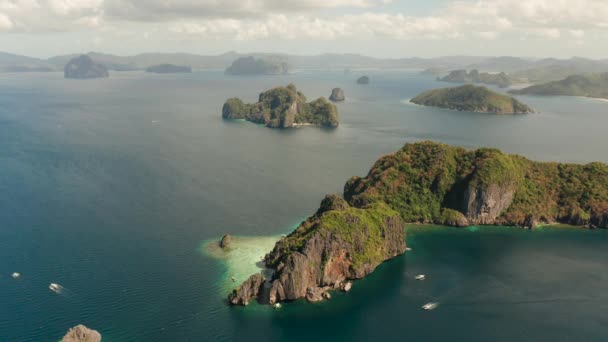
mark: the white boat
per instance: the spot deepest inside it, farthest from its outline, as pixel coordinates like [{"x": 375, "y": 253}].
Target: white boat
[
  {"x": 16, "y": 275},
  {"x": 277, "y": 305},
  {"x": 407, "y": 249},
  {"x": 420, "y": 277},
  {"x": 55, "y": 287},
  {"x": 430, "y": 306}
]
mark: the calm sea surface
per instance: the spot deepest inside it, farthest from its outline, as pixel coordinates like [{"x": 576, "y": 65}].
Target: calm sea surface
[{"x": 109, "y": 188}]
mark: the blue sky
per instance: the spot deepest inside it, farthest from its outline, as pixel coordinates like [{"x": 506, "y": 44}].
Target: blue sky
[{"x": 382, "y": 28}]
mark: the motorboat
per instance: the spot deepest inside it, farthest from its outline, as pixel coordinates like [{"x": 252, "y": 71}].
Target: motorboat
[
  {"x": 430, "y": 306},
  {"x": 16, "y": 275},
  {"x": 55, "y": 287},
  {"x": 420, "y": 277}
]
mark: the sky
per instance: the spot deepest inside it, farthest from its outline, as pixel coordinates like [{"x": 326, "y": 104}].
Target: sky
[{"x": 379, "y": 28}]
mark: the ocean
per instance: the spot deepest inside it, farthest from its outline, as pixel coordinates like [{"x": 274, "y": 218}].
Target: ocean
[{"x": 112, "y": 188}]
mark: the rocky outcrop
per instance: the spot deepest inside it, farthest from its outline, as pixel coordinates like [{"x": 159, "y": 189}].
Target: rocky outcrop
[
  {"x": 337, "y": 95},
  {"x": 462, "y": 76},
  {"x": 80, "y": 333},
  {"x": 338, "y": 244},
  {"x": 483, "y": 204},
  {"x": 363, "y": 80},
  {"x": 226, "y": 241},
  {"x": 168, "y": 69},
  {"x": 260, "y": 66},
  {"x": 283, "y": 107},
  {"x": 247, "y": 291},
  {"x": 83, "y": 67}
]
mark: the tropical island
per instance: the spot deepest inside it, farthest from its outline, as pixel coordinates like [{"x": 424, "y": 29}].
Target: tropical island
[
  {"x": 363, "y": 80},
  {"x": 426, "y": 182},
  {"x": 593, "y": 85},
  {"x": 283, "y": 107},
  {"x": 261, "y": 66},
  {"x": 168, "y": 69},
  {"x": 83, "y": 67},
  {"x": 474, "y": 76},
  {"x": 472, "y": 98}
]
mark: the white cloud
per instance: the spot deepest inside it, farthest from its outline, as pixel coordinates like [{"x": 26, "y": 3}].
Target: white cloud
[{"x": 311, "y": 19}]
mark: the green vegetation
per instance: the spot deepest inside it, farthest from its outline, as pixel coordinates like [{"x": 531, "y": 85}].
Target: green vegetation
[
  {"x": 426, "y": 182},
  {"x": 595, "y": 85},
  {"x": 473, "y": 99},
  {"x": 462, "y": 76},
  {"x": 365, "y": 229},
  {"x": 283, "y": 107}
]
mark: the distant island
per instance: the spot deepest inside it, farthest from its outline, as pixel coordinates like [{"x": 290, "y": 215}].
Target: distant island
[
  {"x": 426, "y": 182},
  {"x": 261, "y": 66},
  {"x": 283, "y": 107},
  {"x": 83, "y": 67},
  {"x": 472, "y": 98},
  {"x": 363, "y": 80},
  {"x": 474, "y": 76},
  {"x": 337, "y": 95},
  {"x": 168, "y": 69},
  {"x": 594, "y": 85}
]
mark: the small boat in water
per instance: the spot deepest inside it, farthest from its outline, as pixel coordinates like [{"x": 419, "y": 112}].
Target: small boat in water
[
  {"x": 407, "y": 249},
  {"x": 277, "y": 305},
  {"x": 16, "y": 275},
  {"x": 420, "y": 277},
  {"x": 430, "y": 306},
  {"x": 55, "y": 287}
]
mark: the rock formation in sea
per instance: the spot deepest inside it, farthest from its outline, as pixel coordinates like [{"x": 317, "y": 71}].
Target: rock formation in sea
[
  {"x": 337, "y": 95},
  {"x": 83, "y": 67},
  {"x": 472, "y": 98},
  {"x": 283, "y": 107},
  {"x": 259, "y": 66},
  {"x": 168, "y": 69},
  {"x": 363, "y": 80},
  {"x": 426, "y": 182},
  {"x": 80, "y": 333},
  {"x": 226, "y": 241}
]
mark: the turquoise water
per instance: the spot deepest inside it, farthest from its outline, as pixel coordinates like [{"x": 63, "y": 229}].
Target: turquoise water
[{"x": 109, "y": 188}]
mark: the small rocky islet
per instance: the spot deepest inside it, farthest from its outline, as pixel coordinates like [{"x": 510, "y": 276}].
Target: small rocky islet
[
  {"x": 426, "y": 182},
  {"x": 81, "y": 333},
  {"x": 472, "y": 98},
  {"x": 283, "y": 107},
  {"x": 337, "y": 95},
  {"x": 83, "y": 67}
]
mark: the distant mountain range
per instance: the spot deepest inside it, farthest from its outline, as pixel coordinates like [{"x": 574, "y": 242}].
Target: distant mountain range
[{"x": 533, "y": 70}]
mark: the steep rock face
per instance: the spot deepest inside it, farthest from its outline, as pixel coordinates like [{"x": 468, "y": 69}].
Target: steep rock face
[
  {"x": 261, "y": 66},
  {"x": 337, "y": 95},
  {"x": 80, "y": 333},
  {"x": 483, "y": 205},
  {"x": 283, "y": 107},
  {"x": 83, "y": 67},
  {"x": 226, "y": 241},
  {"x": 248, "y": 291}
]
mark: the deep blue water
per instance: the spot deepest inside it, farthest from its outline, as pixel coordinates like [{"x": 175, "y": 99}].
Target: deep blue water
[{"x": 108, "y": 187}]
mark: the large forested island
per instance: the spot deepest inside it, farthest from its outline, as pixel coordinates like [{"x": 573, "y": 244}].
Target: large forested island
[
  {"x": 260, "y": 66},
  {"x": 283, "y": 107},
  {"x": 594, "y": 85},
  {"x": 427, "y": 182},
  {"x": 474, "y": 76},
  {"x": 472, "y": 99}
]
